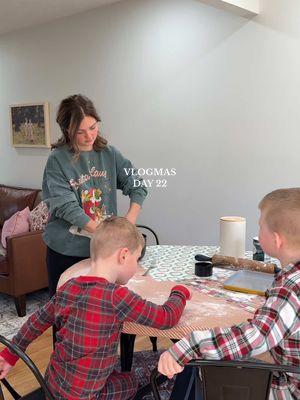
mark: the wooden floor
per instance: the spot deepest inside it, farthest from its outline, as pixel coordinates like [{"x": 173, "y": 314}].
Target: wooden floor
[{"x": 39, "y": 351}]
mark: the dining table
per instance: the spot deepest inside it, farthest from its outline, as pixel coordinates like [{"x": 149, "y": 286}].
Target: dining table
[
  {"x": 165, "y": 266},
  {"x": 211, "y": 305}
]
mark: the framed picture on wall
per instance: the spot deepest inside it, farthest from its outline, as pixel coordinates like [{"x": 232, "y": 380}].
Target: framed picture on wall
[{"x": 30, "y": 125}]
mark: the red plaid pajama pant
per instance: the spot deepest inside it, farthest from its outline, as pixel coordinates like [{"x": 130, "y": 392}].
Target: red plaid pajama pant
[{"x": 119, "y": 386}]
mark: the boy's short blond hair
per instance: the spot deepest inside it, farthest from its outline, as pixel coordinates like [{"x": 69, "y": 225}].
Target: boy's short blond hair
[
  {"x": 281, "y": 210},
  {"x": 112, "y": 234}
]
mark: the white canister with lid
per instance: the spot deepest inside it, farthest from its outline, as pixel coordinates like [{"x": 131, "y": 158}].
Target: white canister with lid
[{"x": 232, "y": 236}]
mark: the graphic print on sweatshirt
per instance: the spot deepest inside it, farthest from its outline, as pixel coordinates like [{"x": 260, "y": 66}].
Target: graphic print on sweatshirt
[{"x": 92, "y": 204}]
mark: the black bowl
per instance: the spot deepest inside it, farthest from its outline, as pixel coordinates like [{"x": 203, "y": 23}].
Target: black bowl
[{"x": 203, "y": 268}]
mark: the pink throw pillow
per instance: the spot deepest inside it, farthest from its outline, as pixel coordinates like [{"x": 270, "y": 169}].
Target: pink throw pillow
[{"x": 17, "y": 223}]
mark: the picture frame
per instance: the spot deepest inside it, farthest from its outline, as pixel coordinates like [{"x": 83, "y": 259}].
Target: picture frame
[{"x": 30, "y": 125}]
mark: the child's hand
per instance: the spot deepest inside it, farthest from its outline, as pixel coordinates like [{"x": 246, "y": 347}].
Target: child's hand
[
  {"x": 4, "y": 368},
  {"x": 189, "y": 289},
  {"x": 168, "y": 366},
  {"x": 191, "y": 292},
  {"x": 183, "y": 289}
]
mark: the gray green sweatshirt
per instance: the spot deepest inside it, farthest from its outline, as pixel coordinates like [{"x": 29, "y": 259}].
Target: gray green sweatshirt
[{"x": 77, "y": 191}]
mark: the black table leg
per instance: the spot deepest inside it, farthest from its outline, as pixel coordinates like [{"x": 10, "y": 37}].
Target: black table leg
[
  {"x": 153, "y": 340},
  {"x": 126, "y": 350}
]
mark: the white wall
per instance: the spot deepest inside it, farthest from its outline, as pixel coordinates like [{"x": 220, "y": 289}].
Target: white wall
[
  {"x": 178, "y": 84},
  {"x": 244, "y": 8}
]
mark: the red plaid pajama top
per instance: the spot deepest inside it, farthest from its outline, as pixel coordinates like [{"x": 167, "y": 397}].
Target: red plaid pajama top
[{"x": 89, "y": 313}]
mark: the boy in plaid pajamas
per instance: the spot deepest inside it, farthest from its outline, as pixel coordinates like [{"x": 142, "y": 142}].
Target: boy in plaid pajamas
[
  {"x": 89, "y": 312},
  {"x": 275, "y": 327}
]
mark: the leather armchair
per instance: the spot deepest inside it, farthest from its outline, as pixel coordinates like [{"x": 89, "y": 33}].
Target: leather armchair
[{"x": 23, "y": 268}]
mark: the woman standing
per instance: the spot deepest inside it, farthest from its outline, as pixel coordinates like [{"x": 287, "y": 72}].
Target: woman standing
[{"x": 80, "y": 182}]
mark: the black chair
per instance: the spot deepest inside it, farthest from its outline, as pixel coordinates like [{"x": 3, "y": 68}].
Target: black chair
[
  {"x": 42, "y": 393},
  {"x": 142, "y": 227},
  {"x": 228, "y": 380},
  {"x": 152, "y": 338},
  {"x": 127, "y": 340}
]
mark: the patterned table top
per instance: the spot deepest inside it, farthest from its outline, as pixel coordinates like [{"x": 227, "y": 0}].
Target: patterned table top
[
  {"x": 211, "y": 305},
  {"x": 178, "y": 262}
]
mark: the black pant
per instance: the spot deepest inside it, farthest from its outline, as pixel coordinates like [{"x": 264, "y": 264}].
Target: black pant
[{"x": 56, "y": 264}]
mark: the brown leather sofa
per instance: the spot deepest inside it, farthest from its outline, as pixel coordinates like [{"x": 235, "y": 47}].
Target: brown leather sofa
[{"x": 23, "y": 268}]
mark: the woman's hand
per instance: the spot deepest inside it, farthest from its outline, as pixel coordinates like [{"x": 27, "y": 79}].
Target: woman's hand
[
  {"x": 91, "y": 226},
  {"x": 130, "y": 218},
  {"x": 4, "y": 368},
  {"x": 133, "y": 213},
  {"x": 168, "y": 366}
]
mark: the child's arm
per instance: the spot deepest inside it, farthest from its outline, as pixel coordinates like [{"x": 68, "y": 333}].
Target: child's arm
[
  {"x": 131, "y": 307},
  {"x": 273, "y": 322},
  {"x": 4, "y": 368},
  {"x": 36, "y": 324}
]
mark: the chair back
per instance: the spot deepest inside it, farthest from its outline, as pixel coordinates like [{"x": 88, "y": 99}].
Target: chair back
[
  {"x": 38, "y": 394},
  {"x": 155, "y": 237},
  {"x": 1, "y": 393},
  {"x": 229, "y": 380},
  {"x": 230, "y": 383}
]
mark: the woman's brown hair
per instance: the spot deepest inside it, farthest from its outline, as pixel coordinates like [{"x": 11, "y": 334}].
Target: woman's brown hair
[{"x": 69, "y": 116}]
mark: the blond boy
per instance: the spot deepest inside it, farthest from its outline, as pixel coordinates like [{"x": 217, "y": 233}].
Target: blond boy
[
  {"x": 275, "y": 327},
  {"x": 89, "y": 312}
]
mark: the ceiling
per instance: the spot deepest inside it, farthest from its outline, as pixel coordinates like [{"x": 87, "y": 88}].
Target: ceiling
[{"x": 18, "y": 14}]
